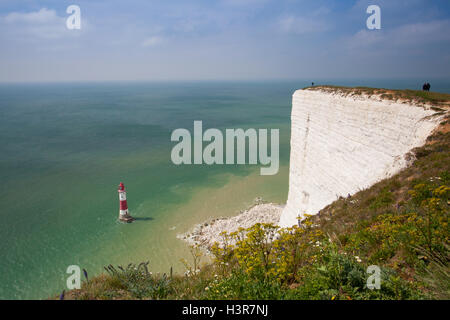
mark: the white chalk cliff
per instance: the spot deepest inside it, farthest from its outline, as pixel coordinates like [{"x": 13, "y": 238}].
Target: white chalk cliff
[{"x": 341, "y": 144}]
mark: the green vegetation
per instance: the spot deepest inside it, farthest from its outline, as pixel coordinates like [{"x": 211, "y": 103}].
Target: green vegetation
[{"x": 400, "y": 224}]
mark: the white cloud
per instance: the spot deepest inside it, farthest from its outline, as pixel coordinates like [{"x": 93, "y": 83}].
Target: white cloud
[
  {"x": 42, "y": 24},
  {"x": 152, "y": 41},
  {"x": 415, "y": 35},
  {"x": 366, "y": 38},
  {"x": 425, "y": 32},
  {"x": 302, "y": 25},
  {"x": 40, "y": 17}
]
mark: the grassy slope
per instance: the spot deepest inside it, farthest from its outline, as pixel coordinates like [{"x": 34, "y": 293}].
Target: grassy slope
[
  {"x": 435, "y": 99},
  {"x": 400, "y": 224}
]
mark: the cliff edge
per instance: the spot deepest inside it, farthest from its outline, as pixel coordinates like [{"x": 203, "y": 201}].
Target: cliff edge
[{"x": 346, "y": 139}]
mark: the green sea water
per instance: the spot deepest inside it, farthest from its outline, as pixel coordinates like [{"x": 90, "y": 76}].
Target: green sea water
[{"x": 65, "y": 147}]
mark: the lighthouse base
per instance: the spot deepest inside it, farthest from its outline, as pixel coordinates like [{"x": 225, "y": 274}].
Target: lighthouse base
[{"x": 126, "y": 218}]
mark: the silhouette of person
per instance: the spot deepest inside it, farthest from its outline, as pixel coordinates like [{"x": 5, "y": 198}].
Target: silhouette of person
[{"x": 426, "y": 86}]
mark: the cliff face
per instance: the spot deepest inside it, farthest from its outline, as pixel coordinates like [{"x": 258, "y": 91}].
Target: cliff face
[{"x": 341, "y": 144}]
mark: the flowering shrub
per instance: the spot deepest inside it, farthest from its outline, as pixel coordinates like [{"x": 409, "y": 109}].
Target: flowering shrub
[
  {"x": 240, "y": 285},
  {"x": 321, "y": 268},
  {"x": 423, "y": 224},
  {"x": 264, "y": 252}
]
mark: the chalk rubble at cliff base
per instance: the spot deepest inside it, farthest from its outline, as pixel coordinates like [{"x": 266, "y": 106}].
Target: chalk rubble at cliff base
[{"x": 206, "y": 234}]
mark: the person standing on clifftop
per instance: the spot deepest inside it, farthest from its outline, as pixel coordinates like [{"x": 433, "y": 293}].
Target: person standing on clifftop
[{"x": 426, "y": 86}]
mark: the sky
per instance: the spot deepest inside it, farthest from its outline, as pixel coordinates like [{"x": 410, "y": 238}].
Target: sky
[{"x": 137, "y": 40}]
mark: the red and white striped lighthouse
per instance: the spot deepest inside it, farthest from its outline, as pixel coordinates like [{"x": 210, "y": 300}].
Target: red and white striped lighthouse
[{"x": 123, "y": 206}]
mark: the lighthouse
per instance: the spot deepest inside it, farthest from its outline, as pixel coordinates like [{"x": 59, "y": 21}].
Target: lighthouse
[{"x": 123, "y": 206}]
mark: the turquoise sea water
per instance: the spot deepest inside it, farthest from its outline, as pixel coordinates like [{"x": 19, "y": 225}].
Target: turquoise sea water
[{"x": 65, "y": 147}]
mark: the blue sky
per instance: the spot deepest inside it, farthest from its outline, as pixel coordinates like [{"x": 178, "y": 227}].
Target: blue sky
[{"x": 223, "y": 40}]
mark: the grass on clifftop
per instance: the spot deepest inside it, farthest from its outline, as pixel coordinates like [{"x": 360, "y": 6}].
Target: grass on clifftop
[
  {"x": 400, "y": 225},
  {"x": 412, "y": 96}
]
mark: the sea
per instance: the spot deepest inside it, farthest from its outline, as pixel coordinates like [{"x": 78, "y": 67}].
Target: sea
[{"x": 65, "y": 147}]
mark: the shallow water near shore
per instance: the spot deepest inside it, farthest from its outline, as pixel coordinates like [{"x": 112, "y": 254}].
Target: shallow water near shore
[{"x": 65, "y": 147}]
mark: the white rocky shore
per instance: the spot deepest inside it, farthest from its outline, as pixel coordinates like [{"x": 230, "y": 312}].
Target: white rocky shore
[{"x": 206, "y": 234}]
